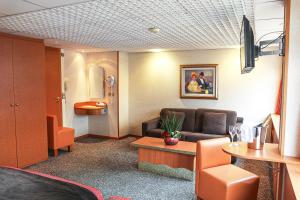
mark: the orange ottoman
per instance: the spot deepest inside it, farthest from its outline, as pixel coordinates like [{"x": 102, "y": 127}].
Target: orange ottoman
[{"x": 228, "y": 182}]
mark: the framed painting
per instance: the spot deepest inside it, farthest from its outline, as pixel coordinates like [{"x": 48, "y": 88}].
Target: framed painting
[{"x": 198, "y": 81}]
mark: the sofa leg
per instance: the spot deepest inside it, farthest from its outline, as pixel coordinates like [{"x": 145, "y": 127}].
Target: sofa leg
[
  {"x": 70, "y": 148},
  {"x": 55, "y": 152}
]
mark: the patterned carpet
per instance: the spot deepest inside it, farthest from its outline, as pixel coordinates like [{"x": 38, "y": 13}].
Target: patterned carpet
[
  {"x": 263, "y": 170},
  {"x": 111, "y": 166}
]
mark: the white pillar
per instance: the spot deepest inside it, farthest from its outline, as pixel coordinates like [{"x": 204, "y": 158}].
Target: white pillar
[{"x": 291, "y": 102}]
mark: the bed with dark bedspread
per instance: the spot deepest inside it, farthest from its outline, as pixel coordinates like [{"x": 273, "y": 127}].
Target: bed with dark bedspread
[{"x": 17, "y": 184}]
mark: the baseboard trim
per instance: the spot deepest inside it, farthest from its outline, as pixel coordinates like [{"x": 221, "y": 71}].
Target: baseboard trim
[
  {"x": 81, "y": 136},
  {"x": 105, "y": 136},
  {"x": 130, "y": 135},
  {"x": 136, "y": 136},
  {"x": 102, "y": 136}
]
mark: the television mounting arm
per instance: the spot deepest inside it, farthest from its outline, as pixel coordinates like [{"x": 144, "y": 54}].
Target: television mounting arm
[{"x": 264, "y": 44}]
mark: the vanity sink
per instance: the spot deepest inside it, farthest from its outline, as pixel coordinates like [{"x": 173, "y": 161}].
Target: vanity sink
[{"x": 89, "y": 108}]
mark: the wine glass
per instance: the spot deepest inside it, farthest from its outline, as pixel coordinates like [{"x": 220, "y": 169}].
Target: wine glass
[
  {"x": 232, "y": 132},
  {"x": 238, "y": 132}
]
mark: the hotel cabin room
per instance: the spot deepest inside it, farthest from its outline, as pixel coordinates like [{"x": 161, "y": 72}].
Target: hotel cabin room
[{"x": 96, "y": 94}]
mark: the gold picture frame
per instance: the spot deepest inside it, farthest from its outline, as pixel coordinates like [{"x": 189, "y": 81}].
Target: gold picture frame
[{"x": 198, "y": 81}]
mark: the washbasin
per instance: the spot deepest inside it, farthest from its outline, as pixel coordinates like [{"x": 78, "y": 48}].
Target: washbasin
[{"x": 90, "y": 108}]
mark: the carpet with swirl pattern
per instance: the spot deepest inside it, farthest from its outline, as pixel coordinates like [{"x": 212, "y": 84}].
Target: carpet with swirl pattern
[{"x": 111, "y": 166}]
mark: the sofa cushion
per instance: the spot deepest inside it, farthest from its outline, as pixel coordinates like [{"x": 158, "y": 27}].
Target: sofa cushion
[
  {"x": 178, "y": 115},
  {"x": 189, "y": 120},
  {"x": 231, "y": 118},
  {"x": 214, "y": 123},
  {"x": 194, "y": 137}
]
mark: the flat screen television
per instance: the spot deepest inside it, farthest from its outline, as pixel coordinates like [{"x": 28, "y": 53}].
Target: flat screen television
[{"x": 247, "y": 47}]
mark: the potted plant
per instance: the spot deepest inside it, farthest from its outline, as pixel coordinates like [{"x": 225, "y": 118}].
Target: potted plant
[{"x": 171, "y": 127}]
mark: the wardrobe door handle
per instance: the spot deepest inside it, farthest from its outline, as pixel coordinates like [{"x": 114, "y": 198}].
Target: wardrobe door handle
[
  {"x": 12, "y": 105},
  {"x": 17, "y": 104},
  {"x": 57, "y": 99}
]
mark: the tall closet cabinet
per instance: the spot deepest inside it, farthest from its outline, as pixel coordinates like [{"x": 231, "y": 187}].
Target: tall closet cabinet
[{"x": 23, "y": 131}]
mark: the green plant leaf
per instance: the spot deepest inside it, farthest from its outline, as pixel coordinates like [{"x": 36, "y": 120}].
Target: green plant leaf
[{"x": 171, "y": 125}]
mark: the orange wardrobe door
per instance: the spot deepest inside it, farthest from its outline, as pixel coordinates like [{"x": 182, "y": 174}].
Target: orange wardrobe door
[
  {"x": 53, "y": 79},
  {"x": 8, "y": 154},
  {"x": 30, "y": 110}
]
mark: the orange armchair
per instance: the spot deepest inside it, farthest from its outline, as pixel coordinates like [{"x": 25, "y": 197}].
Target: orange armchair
[
  {"x": 217, "y": 178},
  {"x": 58, "y": 137}
]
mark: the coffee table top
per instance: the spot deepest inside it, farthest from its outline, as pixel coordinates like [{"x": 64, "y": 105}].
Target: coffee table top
[{"x": 182, "y": 147}]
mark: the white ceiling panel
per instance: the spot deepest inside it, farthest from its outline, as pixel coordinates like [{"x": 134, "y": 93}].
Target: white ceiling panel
[
  {"x": 12, "y": 7},
  {"x": 123, "y": 24},
  {"x": 269, "y": 10},
  {"x": 275, "y": 25},
  {"x": 55, "y": 3},
  {"x": 269, "y": 18}
]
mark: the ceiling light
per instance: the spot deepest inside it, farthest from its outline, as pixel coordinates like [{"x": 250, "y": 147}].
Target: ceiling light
[
  {"x": 155, "y": 50},
  {"x": 154, "y": 29}
]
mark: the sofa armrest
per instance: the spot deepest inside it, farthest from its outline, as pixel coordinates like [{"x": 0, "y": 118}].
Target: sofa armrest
[
  {"x": 151, "y": 124},
  {"x": 239, "y": 120}
]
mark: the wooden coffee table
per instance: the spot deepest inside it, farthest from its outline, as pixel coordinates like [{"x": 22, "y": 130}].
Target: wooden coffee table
[{"x": 155, "y": 156}]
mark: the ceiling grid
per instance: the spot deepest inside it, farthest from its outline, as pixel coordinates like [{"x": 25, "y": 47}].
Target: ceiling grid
[
  {"x": 223, "y": 23},
  {"x": 123, "y": 24},
  {"x": 211, "y": 24}
]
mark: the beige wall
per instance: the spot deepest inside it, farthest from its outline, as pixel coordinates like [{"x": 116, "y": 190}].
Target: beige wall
[
  {"x": 154, "y": 84},
  {"x": 292, "y": 113},
  {"x": 75, "y": 71},
  {"x": 123, "y": 94},
  {"x": 76, "y": 90},
  {"x": 106, "y": 125},
  {"x": 151, "y": 82}
]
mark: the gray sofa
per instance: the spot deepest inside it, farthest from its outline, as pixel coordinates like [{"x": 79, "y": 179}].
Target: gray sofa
[{"x": 193, "y": 124}]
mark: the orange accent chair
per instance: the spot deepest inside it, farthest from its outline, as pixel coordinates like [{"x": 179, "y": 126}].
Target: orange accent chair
[
  {"x": 58, "y": 137},
  {"x": 217, "y": 178}
]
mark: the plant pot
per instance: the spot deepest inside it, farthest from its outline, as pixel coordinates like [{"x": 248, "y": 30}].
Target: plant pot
[{"x": 171, "y": 141}]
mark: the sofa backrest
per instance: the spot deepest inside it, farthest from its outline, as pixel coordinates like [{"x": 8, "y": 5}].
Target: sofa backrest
[
  {"x": 189, "y": 120},
  {"x": 231, "y": 118}
]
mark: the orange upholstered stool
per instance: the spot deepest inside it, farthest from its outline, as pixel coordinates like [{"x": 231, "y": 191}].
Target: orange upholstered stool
[
  {"x": 58, "y": 137},
  {"x": 217, "y": 178}
]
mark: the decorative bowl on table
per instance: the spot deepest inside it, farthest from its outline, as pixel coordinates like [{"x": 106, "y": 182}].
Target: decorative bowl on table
[
  {"x": 171, "y": 138},
  {"x": 171, "y": 141}
]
